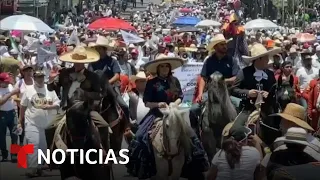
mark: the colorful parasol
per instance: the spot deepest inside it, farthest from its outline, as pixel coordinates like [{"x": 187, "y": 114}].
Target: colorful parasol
[
  {"x": 111, "y": 24},
  {"x": 305, "y": 37},
  {"x": 185, "y": 10}
]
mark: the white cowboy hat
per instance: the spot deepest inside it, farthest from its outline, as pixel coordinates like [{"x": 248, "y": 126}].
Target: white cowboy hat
[
  {"x": 80, "y": 54},
  {"x": 296, "y": 135},
  {"x": 218, "y": 38},
  {"x": 258, "y": 50},
  {"x": 104, "y": 42},
  {"x": 175, "y": 62},
  {"x": 139, "y": 75}
]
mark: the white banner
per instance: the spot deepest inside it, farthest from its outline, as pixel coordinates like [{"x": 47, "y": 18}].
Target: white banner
[
  {"x": 129, "y": 38},
  {"x": 188, "y": 75}
]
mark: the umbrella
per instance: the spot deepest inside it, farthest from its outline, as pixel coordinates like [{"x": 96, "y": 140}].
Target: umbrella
[
  {"x": 24, "y": 23},
  {"x": 111, "y": 24},
  {"x": 305, "y": 37},
  {"x": 260, "y": 24},
  {"x": 188, "y": 29},
  {"x": 186, "y": 21},
  {"x": 186, "y": 10},
  {"x": 208, "y": 23}
]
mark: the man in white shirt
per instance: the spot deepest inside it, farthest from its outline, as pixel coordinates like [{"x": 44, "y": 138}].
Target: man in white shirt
[
  {"x": 38, "y": 105},
  {"x": 7, "y": 114},
  {"x": 305, "y": 74}
]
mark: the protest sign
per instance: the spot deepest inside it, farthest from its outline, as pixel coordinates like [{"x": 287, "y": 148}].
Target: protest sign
[{"x": 187, "y": 75}]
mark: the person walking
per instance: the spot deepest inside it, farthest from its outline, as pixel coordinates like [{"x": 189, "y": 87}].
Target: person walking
[{"x": 7, "y": 114}]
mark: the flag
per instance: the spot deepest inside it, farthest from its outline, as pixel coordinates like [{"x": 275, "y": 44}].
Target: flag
[
  {"x": 130, "y": 38},
  {"x": 73, "y": 39}
]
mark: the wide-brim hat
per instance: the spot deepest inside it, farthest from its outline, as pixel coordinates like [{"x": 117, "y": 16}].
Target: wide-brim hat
[
  {"x": 104, "y": 42},
  {"x": 192, "y": 48},
  {"x": 218, "y": 38},
  {"x": 174, "y": 62},
  {"x": 138, "y": 76},
  {"x": 296, "y": 135},
  {"x": 258, "y": 50},
  {"x": 296, "y": 114},
  {"x": 80, "y": 54}
]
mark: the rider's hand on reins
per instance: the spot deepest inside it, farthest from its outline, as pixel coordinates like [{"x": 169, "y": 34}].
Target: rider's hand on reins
[
  {"x": 253, "y": 93},
  {"x": 162, "y": 105}
]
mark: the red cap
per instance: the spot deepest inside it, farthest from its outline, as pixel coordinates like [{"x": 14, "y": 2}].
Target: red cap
[
  {"x": 5, "y": 77},
  {"x": 134, "y": 51}
]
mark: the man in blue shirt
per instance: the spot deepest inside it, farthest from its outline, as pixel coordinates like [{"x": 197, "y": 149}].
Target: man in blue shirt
[
  {"x": 218, "y": 61},
  {"x": 111, "y": 69}
]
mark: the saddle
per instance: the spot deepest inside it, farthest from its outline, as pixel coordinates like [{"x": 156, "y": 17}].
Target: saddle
[{"x": 61, "y": 132}]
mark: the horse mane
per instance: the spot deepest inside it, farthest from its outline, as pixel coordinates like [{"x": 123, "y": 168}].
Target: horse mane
[
  {"x": 106, "y": 88},
  {"x": 220, "y": 109}
]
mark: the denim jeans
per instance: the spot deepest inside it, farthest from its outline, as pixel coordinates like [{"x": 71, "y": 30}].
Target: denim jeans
[{"x": 7, "y": 120}]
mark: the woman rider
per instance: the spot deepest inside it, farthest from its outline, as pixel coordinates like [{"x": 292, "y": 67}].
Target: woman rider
[{"x": 160, "y": 92}]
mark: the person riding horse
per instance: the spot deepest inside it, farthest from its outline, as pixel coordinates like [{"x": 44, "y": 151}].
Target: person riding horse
[
  {"x": 69, "y": 79},
  {"x": 110, "y": 67},
  {"x": 218, "y": 61},
  {"x": 253, "y": 81},
  {"x": 161, "y": 91}
]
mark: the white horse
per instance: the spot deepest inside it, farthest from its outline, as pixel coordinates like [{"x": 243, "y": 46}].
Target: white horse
[{"x": 170, "y": 138}]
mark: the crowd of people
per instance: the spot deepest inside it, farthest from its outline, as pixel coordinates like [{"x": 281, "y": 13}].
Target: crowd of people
[{"x": 34, "y": 94}]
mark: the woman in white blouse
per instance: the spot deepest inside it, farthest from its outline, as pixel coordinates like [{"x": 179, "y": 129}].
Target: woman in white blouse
[{"x": 138, "y": 110}]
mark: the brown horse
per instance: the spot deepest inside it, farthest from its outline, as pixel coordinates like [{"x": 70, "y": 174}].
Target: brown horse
[
  {"x": 111, "y": 112},
  {"x": 81, "y": 133}
]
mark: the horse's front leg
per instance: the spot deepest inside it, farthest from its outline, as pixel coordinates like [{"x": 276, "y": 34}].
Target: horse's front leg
[{"x": 177, "y": 165}]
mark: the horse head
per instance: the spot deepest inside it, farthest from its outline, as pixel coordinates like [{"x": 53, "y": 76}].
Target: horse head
[
  {"x": 176, "y": 131},
  {"x": 220, "y": 108},
  {"x": 285, "y": 93},
  {"x": 78, "y": 120},
  {"x": 279, "y": 96}
]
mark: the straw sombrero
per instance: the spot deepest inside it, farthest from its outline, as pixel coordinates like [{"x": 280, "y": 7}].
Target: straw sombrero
[
  {"x": 80, "y": 54},
  {"x": 218, "y": 38},
  {"x": 192, "y": 48},
  {"x": 140, "y": 75},
  {"x": 175, "y": 62},
  {"x": 258, "y": 50},
  {"x": 295, "y": 113},
  {"x": 104, "y": 42}
]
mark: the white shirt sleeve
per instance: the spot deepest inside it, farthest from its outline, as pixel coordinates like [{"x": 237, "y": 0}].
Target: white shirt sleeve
[{"x": 215, "y": 158}]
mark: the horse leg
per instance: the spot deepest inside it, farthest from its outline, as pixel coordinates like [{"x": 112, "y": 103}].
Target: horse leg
[
  {"x": 209, "y": 143},
  {"x": 66, "y": 170},
  {"x": 177, "y": 165},
  {"x": 116, "y": 138},
  {"x": 161, "y": 166}
]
